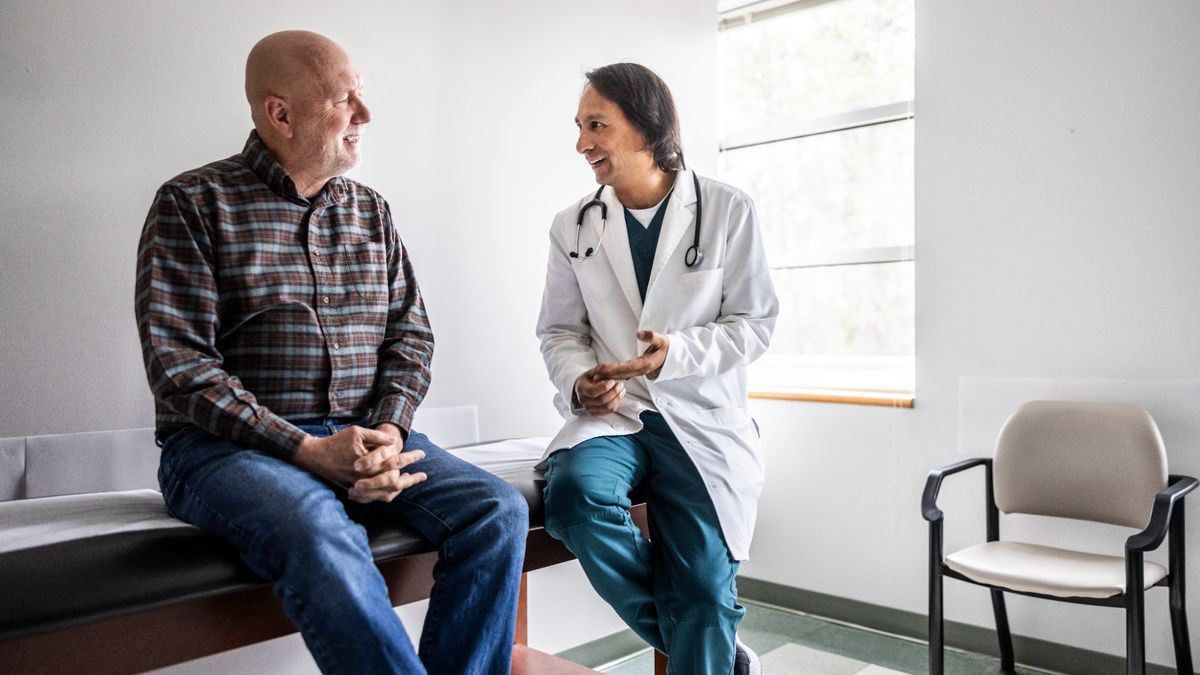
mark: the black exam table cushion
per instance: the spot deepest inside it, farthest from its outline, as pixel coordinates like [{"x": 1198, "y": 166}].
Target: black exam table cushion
[{"x": 63, "y": 584}]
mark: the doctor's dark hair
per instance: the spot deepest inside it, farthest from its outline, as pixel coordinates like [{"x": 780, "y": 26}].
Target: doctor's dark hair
[{"x": 647, "y": 103}]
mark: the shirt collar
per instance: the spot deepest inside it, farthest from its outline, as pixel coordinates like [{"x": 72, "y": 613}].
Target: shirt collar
[{"x": 260, "y": 160}]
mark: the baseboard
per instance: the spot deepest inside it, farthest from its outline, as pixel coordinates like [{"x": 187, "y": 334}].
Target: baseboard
[
  {"x": 1030, "y": 651},
  {"x": 605, "y": 650}
]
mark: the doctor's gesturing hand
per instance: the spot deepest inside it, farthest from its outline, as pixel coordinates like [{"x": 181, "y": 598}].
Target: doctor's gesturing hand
[
  {"x": 599, "y": 390},
  {"x": 598, "y": 395},
  {"x": 649, "y": 363}
]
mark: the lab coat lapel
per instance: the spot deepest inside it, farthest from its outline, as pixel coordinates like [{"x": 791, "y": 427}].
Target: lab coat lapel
[
  {"x": 676, "y": 224},
  {"x": 616, "y": 251}
]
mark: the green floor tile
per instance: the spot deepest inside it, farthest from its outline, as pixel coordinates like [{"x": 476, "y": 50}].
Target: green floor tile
[
  {"x": 768, "y": 620},
  {"x": 884, "y": 650},
  {"x": 642, "y": 664},
  {"x": 798, "y": 644}
]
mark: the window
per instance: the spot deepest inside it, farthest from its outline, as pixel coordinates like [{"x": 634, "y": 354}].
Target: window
[{"x": 816, "y": 113}]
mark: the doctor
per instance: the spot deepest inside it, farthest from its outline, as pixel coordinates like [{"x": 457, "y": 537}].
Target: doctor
[{"x": 657, "y": 297}]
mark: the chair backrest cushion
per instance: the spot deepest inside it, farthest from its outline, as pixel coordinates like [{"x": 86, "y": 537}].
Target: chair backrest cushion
[{"x": 1090, "y": 461}]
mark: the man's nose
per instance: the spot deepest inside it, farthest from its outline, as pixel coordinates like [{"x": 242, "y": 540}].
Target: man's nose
[
  {"x": 584, "y": 143},
  {"x": 362, "y": 114}
]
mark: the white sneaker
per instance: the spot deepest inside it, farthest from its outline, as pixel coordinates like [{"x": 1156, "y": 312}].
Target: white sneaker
[{"x": 745, "y": 661}]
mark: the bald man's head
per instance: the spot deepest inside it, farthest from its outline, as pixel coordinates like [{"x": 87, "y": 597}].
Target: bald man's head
[
  {"x": 305, "y": 98},
  {"x": 287, "y": 64}
]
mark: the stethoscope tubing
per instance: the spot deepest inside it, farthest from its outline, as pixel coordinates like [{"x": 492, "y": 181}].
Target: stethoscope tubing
[{"x": 690, "y": 258}]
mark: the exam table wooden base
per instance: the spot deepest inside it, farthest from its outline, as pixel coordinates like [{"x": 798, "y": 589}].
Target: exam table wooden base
[{"x": 193, "y": 628}]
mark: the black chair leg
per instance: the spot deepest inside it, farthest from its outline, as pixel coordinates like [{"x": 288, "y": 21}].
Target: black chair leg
[
  {"x": 936, "y": 635},
  {"x": 1135, "y": 632},
  {"x": 1179, "y": 629},
  {"x": 1007, "y": 662}
]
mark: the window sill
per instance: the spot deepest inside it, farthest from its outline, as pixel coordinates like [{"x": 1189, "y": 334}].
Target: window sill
[{"x": 890, "y": 399}]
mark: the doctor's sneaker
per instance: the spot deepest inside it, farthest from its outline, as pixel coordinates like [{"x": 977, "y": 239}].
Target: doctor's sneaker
[{"x": 745, "y": 661}]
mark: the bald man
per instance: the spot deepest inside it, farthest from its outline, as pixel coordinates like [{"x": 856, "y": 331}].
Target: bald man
[{"x": 287, "y": 347}]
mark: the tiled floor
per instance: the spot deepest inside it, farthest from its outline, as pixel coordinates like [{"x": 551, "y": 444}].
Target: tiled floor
[{"x": 797, "y": 644}]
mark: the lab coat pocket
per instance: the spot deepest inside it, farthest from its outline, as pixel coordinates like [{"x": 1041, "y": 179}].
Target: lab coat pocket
[
  {"x": 697, "y": 297},
  {"x": 728, "y": 416}
]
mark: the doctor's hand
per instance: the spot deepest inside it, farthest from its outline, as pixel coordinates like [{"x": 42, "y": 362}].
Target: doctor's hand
[
  {"x": 357, "y": 454},
  {"x": 649, "y": 363},
  {"x": 597, "y": 395}
]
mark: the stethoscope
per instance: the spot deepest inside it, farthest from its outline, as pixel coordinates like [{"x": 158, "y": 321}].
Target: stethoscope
[{"x": 690, "y": 258}]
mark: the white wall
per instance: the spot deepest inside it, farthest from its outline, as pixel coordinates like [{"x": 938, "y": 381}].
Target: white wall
[
  {"x": 472, "y": 143},
  {"x": 1058, "y": 229}
]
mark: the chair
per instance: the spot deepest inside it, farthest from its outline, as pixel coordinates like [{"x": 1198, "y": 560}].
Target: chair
[{"x": 1102, "y": 462}]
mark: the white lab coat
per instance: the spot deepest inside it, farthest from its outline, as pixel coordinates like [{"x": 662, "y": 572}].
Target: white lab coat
[{"x": 719, "y": 316}]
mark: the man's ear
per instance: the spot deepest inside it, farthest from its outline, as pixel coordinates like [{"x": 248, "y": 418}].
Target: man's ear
[{"x": 278, "y": 115}]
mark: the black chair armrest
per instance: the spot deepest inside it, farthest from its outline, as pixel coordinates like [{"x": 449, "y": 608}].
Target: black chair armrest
[
  {"x": 933, "y": 485},
  {"x": 1160, "y": 518}
]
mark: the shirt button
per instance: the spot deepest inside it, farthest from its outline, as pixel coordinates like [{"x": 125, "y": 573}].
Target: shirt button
[
  {"x": 317, "y": 254},
  {"x": 325, "y": 300},
  {"x": 336, "y": 346}
]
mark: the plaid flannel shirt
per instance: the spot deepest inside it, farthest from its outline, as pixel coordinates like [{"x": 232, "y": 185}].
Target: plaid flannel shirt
[{"x": 256, "y": 306}]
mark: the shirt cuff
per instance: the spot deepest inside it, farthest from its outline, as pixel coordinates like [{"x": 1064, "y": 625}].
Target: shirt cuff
[
  {"x": 673, "y": 364},
  {"x": 277, "y": 436},
  {"x": 395, "y": 410}
]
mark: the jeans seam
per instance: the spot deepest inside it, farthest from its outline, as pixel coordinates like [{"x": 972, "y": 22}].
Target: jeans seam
[
  {"x": 306, "y": 630},
  {"x": 433, "y": 615}
]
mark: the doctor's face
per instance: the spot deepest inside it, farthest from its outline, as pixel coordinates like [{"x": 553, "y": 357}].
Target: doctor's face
[{"x": 614, "y": 148}]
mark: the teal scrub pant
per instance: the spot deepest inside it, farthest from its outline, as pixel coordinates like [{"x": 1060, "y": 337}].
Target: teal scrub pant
[{"x": 677, "y": 591}]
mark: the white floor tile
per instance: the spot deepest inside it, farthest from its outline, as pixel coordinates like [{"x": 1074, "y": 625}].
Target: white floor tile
[{"x": 878, "y": 670}]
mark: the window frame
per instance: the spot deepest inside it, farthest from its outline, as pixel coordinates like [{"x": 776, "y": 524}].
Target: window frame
[{"x": 733, "y": 14}]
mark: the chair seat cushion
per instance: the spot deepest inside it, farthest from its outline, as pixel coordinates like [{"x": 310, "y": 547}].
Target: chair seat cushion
[{"x": 1030, "y": 568}]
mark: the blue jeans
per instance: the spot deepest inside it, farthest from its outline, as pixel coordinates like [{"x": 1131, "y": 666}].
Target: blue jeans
[
  {"x": 678, "y": 590},
  {"x": 303, "y": 535}
]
